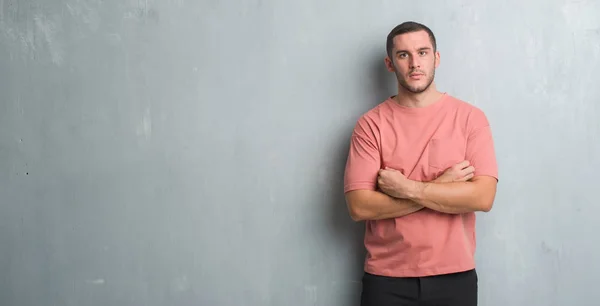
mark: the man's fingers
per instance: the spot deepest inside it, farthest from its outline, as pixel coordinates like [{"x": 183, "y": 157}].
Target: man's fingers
[
  {"x": 466, "y": 171},
  {"x": 463, "y": 164},
  {"x": 466, "y": 177},
  {"x": 469, "y": 169}
]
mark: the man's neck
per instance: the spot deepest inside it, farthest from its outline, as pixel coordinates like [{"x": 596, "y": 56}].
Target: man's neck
[{"x": 424, "y": 99}]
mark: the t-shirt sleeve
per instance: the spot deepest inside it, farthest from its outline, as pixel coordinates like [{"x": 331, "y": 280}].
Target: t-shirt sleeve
[
  {"x": 480, "y": 145},
  {"x": 364, "y": 159}
]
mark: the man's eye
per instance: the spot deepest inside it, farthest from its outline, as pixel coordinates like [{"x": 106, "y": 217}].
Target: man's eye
[{"x": 422, "y": 52}]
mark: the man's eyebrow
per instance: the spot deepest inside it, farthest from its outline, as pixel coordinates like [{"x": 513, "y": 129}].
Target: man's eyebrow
[{"x": 420, "y": 49}]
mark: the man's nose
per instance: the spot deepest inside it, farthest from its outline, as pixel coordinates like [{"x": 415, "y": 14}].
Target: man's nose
[{"x": 414, "y": 63}]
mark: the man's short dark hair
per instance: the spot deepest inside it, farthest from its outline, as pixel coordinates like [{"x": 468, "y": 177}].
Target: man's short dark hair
[{"x": 408, "y": 27}]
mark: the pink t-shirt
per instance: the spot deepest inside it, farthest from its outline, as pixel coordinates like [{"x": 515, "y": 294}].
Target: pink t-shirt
[{"x": 422, "y": 143}]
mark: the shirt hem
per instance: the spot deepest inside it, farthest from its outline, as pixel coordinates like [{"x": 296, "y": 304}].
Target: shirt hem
[{"x": 419, "y": 272}]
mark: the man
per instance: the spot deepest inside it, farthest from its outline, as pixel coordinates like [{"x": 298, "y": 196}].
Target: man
[{"x": 421, "y": 163}]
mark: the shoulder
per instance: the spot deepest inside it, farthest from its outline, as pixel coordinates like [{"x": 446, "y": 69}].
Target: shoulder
[
  {"x": 368, "y": 123},
  {"x": 474, "y": 116}
]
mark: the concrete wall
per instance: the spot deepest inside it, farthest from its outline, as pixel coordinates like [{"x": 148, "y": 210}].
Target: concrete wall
[{"x": 182, "y": 152}]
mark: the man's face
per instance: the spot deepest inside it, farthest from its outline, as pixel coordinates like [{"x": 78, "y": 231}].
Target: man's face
[{"x": 413, "y": 61}]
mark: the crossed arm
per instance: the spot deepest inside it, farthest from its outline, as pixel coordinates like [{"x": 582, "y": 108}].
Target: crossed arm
[
  {"x": 455, "y": 192},
  {"x": 375, "y": 205},
  {"x": 457, "y": 197}
]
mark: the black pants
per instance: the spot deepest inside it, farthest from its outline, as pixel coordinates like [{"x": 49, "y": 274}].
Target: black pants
[{"x": 457, "y": 289}]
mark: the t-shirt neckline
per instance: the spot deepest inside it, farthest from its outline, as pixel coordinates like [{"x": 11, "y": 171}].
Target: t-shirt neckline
[{"x": 419, "y": 110}]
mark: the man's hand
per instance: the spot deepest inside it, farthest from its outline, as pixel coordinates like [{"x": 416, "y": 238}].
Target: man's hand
[
  {"x": 460, "y": 172},
  {"x": 395, "y": 184}
]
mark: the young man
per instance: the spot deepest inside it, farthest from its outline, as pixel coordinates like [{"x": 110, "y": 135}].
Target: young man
[{"x": 420, "y": 165}]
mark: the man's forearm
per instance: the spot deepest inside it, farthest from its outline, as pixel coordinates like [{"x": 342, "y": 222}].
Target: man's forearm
[
  {"x": 456, "y": 197},
  {"x": 374, "y": 205}
]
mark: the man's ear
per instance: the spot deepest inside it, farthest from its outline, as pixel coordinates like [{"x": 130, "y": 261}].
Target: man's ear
[{"x": 389, "y": 64}]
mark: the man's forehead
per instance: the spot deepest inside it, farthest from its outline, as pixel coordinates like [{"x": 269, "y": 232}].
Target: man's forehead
[{"x": 412, "y": 41}]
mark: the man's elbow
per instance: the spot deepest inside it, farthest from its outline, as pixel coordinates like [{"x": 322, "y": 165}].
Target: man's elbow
[
  {"x": 486, "y": 194},
  {"x": 486, "y": 203},
  {"x": 357, "y": 217},
  {"x": 355, "y": 209},
  {"x": 486, "y": 206},
  {"x": 356, "y": 213}
]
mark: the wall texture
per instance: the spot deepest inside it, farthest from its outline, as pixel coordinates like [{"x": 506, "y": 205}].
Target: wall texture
[{"x": 180, "y": 152}]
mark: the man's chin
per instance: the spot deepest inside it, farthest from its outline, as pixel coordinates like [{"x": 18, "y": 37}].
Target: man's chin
[{"x": 416, "y": 90}]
